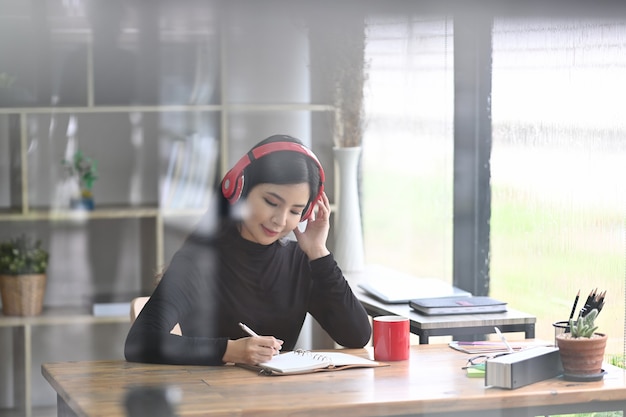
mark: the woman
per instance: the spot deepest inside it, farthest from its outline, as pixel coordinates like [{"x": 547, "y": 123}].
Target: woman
[{"x": 242, "y": 269}]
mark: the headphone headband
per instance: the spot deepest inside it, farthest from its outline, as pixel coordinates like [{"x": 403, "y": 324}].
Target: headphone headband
[{"x": 232, "y": 184}]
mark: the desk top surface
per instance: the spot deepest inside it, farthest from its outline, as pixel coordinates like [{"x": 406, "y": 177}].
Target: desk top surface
[
  {"x": 426, "y": 322},
  {"x": 431, "y": 381}
]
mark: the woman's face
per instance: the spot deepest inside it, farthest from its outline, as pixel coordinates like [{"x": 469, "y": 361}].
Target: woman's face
[{"x": 272, "y": 211}]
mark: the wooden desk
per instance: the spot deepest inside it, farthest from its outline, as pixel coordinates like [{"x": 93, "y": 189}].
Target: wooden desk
[
  {"x": 430, "y": 383},
  {"x": 452, "y": 325}
]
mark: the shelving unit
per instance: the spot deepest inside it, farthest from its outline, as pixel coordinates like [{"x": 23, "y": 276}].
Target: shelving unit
[{"x": 195, "y": 74}]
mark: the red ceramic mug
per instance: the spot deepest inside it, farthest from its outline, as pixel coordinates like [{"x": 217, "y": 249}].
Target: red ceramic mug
[{"x": 391, "y": 338}]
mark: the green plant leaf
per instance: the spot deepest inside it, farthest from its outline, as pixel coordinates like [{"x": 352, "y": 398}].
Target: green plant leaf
[{"x": 22, "y": 255}]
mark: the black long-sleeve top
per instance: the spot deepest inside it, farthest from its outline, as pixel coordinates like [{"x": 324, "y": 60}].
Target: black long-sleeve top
[{"x": 212, "y": 285}]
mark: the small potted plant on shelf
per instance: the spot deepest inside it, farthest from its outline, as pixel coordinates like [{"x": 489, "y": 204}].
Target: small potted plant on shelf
[
  {"x": 23, "y": 265},
  {"x": 582, "y": 349},
  {"x": 85, "y": 171}
]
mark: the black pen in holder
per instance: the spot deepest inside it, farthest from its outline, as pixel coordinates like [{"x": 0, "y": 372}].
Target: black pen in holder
[{"x": 560, "y": 327}]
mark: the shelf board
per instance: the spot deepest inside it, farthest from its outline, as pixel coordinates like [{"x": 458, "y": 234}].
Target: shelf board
[
  {"x": 278, "y": 107},
  {"x": 62, "y": 315},
  {"x": 170, "y": 108},
  {"x": 103, "y": 212},
  {"x": 111, "y": 109},
  {"x": 77, "y": 215}
]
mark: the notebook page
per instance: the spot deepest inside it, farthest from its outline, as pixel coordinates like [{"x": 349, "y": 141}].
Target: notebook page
[
  {"x": 296, "y": 362},
  {"x": 342, "y": 359}
]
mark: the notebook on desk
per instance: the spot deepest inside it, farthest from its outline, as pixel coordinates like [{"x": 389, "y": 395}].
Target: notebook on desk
[
  {"x": 305, "y": 361},
  {"x": 401, "y": 288}
]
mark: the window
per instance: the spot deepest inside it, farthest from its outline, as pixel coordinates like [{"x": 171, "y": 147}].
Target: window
[
  {"x": 408, "y": 145},
  {"x": 557, "y": 160},
  {"x": 558, "y": 170}
]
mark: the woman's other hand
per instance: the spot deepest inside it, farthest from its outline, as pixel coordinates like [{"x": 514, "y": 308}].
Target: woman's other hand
[{"x": 313, "y": 240}]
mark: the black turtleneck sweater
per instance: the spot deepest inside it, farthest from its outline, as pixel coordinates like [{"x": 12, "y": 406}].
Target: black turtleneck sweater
[{"x": 212, "y": 285}]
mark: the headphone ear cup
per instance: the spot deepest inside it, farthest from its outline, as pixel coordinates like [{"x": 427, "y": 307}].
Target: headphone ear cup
[
  {"x": 311, "y": 207},
  {"x": 232, "y": 185}
]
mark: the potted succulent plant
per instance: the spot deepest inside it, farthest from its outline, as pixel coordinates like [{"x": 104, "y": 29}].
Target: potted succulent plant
[
  {"x": 85, "y": 171},
  {"x": 23, "y": 265},
  {"x": 582, "y": 349}
]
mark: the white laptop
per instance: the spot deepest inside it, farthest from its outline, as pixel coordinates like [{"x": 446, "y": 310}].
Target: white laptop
[{"x": 394, "y": 287}]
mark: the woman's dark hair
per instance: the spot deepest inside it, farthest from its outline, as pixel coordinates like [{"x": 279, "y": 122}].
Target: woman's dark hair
[{"x": 281, "y": 167}]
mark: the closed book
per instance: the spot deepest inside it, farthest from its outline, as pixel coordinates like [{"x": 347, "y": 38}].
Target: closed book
[
  {"x": 528, "y": 366},
  {"x": 457, "y": 305}
]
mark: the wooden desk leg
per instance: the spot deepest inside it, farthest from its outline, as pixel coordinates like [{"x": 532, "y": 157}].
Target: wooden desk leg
[
  {"x": 529, "y": 331},
  {"x": 64, "y": 410},
  {"x": 423, "y": 337}
]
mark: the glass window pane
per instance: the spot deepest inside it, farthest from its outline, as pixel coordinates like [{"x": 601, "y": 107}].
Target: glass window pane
[
  {"x": 408, "y": 146},
  {"x": 558, "y": 202}
]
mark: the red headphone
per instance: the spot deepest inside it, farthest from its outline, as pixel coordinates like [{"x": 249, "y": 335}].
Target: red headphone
[{"x": 232, "y": 184}]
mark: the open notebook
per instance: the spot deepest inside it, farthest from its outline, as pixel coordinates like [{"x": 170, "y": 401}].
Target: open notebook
[{"x": 305, "y": 361}]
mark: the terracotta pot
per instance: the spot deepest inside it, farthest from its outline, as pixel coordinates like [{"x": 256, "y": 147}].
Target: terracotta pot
[
  {"x": 22, "y": 295},
  {"x": 582, "y": 356}
]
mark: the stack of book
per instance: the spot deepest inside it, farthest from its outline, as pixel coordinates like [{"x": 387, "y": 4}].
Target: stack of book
[{"x": 190, "y": 173}]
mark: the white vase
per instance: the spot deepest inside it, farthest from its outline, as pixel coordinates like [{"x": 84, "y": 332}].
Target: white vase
[{"x": 349, "y": 252}]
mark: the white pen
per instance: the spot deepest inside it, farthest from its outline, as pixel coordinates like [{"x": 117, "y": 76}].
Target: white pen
[
  {"x": 248, "y": 330},
  {"x": 508, "y": 347}
]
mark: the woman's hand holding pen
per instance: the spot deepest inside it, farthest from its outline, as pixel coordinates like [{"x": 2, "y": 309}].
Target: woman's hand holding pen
[
  {"x": 252, "y": 350},
  {"x": 313, "y": 240}
]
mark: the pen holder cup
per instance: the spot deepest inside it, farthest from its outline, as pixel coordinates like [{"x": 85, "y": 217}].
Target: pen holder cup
[{"x": 560, "y": 327}]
